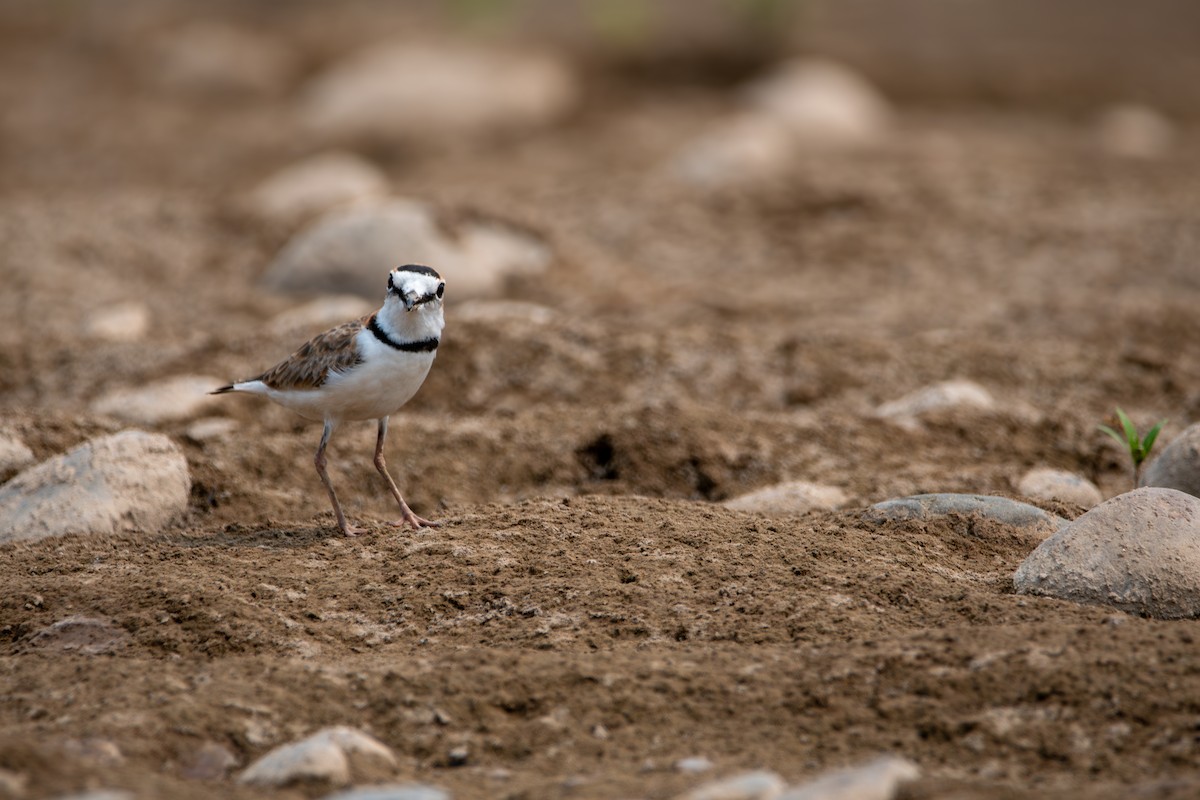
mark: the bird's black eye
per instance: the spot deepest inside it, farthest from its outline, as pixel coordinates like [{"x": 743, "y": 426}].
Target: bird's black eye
[{"x": 441, "y": 289}]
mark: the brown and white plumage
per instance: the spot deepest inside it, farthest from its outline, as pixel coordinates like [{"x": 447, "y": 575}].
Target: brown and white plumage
[{"x": 365, "y": 369}]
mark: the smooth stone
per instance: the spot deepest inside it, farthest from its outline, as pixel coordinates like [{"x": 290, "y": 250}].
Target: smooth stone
[
  {"x": 1138, "y": 552},
  {"x": 1134, "y": 131},
  {"x": 1056, "y": 485},
  {"x": 210, "y": 762},
  {"x": 167, "y": 400},
  {"x": 324, "y": 756},
  {"x": 757, "y": 785},
  {"x": 693, "y": 765},
  {"x": 742, "y": 148},
  {"x": 938, "y": 397},
  {"x": 792, "y": 497},
  {"x": 1178, "y": 465},
  {"x": 132, "y": 480},
  {"x": 14, "y": 454},
  {"x": 821, "y": 102},
  {"x": 998, "y": 509},
  {"x": 879, "y": 780},
  {"x": 352, "y": 250},
  {"x": 124, "y": 322},
  {"x": 210, "y": 429},
  {"x": 316, "y": 184},
  {"x": 220, "y": 60},
  {"x": 416, "y": 90},
  {"x": 80, "y": 634},
  {"x": 393, "y": 791}
]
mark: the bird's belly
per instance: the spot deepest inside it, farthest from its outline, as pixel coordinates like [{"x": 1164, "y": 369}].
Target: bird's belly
[{"x": 368, "y": 391}]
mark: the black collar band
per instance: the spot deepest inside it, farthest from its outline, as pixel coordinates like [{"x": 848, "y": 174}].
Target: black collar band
[{"x": 418, "y": 346}]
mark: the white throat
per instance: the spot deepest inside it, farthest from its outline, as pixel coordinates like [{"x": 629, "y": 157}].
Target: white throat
[{"x": 423, "y": 322}]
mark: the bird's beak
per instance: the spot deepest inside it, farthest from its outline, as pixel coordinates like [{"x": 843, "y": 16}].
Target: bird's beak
[{"x": 410, "y": 301}]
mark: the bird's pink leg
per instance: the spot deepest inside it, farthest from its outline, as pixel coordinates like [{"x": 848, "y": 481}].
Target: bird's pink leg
[
  {"x": 406, "y": 514},
  {"x": 319, "y": 461}
]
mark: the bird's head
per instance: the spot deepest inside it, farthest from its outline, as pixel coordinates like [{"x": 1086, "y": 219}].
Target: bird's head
[{"x": 414, "y": 287}]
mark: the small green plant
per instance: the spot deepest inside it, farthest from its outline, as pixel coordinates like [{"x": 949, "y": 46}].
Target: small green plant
[{"x": 1138, "y": 446}]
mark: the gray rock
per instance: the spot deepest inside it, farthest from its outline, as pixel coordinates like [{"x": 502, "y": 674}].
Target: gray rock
[
  {"x": 1056, "y": 485},
  {"x": 78, "y": 634},
  {"x": 757, "y": 785},
  {"x": 743, "y": 148},
  {"x": 1139, "y": 552},
  {"x": 1134, "y": 131},
  {"x": 415, "y": 90},
  {"x": 693, "y": 765},
  {"x": 14, "y": 454},
  {"x": 316, "y": 184},
  {"x": 209, "y": 762},
  {"x": 939, "y": 397},
  {"x": 167, "y": 400},
  {"x": 125, "y": 322},
  {"x": 353, "y": 250},
  {"x": 998, "y": 509},
  {"x": 792, "y": 497},
  {"x": 821, "y": 103},
  {"x": 878, "y": 780},
  {"x": 1178, "y": 465},
  {"x": 131, "y": 480},
  {"x": 395, "y": 791},
  {"x": 324, "y": 756}
]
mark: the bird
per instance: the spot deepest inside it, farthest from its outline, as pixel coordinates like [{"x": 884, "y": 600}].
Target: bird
[{"x": 364, "y": 369}]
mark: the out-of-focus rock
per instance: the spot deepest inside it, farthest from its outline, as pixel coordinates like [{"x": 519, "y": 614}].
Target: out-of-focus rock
[
  {"x": 78, "y": 634},
  {"x": 166, "y": 400},
  {"x": 1134, "y": 131},
  {"x": 417, "y": 90},
  {"x": 757, "y": 785},
  {"x": 821, "y": 103},
  {"x": 209, "y": 762},
  {"x": 792, "y": 497},
  {"x": 131, "y": 480},
  {"x": 1060, "y": 486},
  {"x": 1030, "y": 519},
  {"x": 325, "y": 756},
  {"x": 125, "y": 322},
  {"x": 957, "y": 394},
  {"x": 1138, "y": 551},
  {"x": 316, "y": 184},
  {"x": 743, "y": 148},
  {"x": 878, "y": 780},
  {"x": 354, "y": 249},
  {"x": 210, "y": 429},
  {"x": 217, "y": 59},
  {"x": 1178, "y": 465},
  {"x": 395, "y": 791}
]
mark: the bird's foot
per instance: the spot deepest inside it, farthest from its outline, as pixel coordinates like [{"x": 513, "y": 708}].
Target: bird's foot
[
  {"x": 409, "y": 518},
  {"x": 350, "y": 530}
]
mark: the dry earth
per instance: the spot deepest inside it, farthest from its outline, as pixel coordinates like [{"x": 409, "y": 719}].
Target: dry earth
[{"x": 589, "y": 613}]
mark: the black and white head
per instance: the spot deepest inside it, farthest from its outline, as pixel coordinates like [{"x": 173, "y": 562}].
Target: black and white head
[{"x": 416, "y": 286}]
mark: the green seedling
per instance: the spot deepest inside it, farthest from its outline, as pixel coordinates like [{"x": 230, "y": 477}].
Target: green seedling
[{"x": 1139, "y": 447}]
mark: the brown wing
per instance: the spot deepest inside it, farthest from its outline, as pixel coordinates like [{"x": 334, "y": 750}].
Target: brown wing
[{"x": 308, "y": 368}]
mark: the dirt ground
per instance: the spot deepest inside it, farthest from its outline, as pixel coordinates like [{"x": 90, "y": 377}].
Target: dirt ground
[{"x": 589, "y": 613}]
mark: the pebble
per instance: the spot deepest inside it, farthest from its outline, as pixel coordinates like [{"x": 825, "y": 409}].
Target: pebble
[
  {"x": 943, "y": 396},
  {"x": 1178, "y": 465},
  {"x": 878, "y": 780},
  {"x": 14, "y": 454},
  {"x": 124, "y": 322},
  {"x": 1134, "y": 131},
  {"x": 998, "y": 509},
  {"x": 739, "y": 149},
  {"x": 166, "y": 400},
  {"x": 132, "y": 480},
  {"x": 792, "y": 497},
  {"x": 352, "y": 251},
  {"x": 220, "y": 60},
  {"x": 1138, "y": 552},
  {"x": 757, "y": 785},
  {"x": 98, "y": 794},
  {"x": 210, "y": 429},
  {"x": 394, "y": 791},
  {"x": 821, "y": 102},
  {"x": 693, "y": 765},
  {"x": 316, "y": 184},
  {"x": 1056, "y": 485},
  {"x": 324, "y": 756},
  {"x": 210, "y": 762},
  {"x": 416, "y": 90}
]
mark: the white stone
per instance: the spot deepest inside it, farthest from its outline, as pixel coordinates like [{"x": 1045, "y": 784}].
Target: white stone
[
  {"x": 322, "y": 314},
  {"x": 878, "y": 780},
  {"x": 742, "y": 148},
  {"x": 757, "y": 785},
  {"x": 939, "y": 397},
  {"x": 167, "y": 400},
  {"x": 395, "y": 791},
  {"x": 693, "y": 765},
  {"x": 210, "y": 429},
  {"x": 14, "y": 453},
  {"x": 420, "y": 90},
  {"x": 1056, "y": 485},
  {"x": 821, "y": 102},
  {"x": 1178, "y": 465},
  {"x": 354, "y": 249},
  {"x": 98, "y": 794},
  {"x": 1139, "y": 552},
  {"x": 324, "y": 756},
  {"x": 316, "y": 184},
  {"x": 217, "y": 59},
  {"x": 792, "y": 497},
  {"x": 131, "y": 480},
  {"x": 1134, "y": 131},
  {"x": 124, "y": 322}
]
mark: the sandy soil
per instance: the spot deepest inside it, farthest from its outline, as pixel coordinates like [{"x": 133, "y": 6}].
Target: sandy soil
[{"x": 589, "y": 613}]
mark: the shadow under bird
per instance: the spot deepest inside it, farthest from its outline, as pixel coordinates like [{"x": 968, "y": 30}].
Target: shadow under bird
[{"x": 365, "y": 369}]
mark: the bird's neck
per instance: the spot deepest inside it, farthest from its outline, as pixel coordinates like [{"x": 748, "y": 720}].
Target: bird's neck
[{"x": 423, "y": 322}]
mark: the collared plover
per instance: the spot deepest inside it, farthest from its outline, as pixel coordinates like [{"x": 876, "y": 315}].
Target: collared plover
[{"x": 366, "y": 369}]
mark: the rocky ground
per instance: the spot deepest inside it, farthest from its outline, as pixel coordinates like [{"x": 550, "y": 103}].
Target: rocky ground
[{"x": 675, "y": 289}]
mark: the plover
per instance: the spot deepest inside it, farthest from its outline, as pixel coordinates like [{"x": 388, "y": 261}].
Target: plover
[{"x": 366, "y": 369}]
